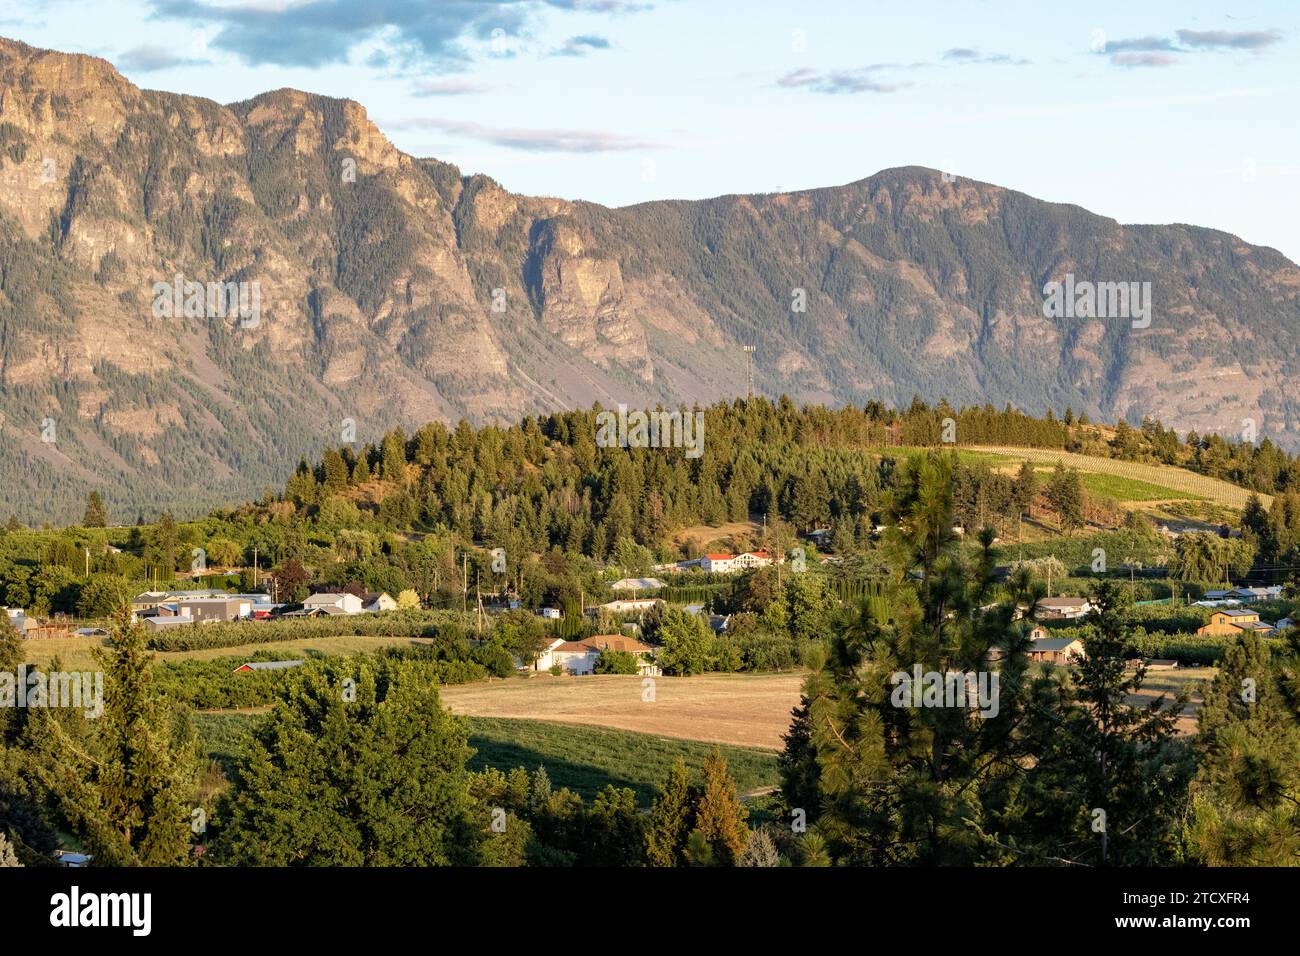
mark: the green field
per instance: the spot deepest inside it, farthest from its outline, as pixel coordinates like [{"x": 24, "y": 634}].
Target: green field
[
  {"x": 1125, "y": 489},
  {"x": 1107, "y": 477},
  {"x": 584, "y": 759}
]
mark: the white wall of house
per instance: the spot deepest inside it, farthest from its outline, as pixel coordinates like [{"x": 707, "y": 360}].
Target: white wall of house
[{"x": 348, "y": 603}]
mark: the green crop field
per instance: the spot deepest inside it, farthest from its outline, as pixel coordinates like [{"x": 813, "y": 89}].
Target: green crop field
[{"x": 584, "y": 759}]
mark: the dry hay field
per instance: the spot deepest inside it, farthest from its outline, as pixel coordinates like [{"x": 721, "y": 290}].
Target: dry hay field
[{"x": 748, "y": 710}]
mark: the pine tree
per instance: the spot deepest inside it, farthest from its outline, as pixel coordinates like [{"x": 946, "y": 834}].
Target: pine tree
[
  {"x": 1246, "y": 805},
  {"x": 357, "y": 764},
  {"x": 901, "y": 783},
  {"x": 671, "y": 819},
  {"x": 1110, "y": 782},
  {"x": 719, "y": 817},
  {"x": 125, "y": 780},
  {"x": 96, "y": 514},
  {"x": 797, "y": 763},
  {"x": 361, "y": 473}
]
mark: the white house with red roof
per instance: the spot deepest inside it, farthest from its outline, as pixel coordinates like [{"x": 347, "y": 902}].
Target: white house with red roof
[
  {"x": 579, "y": 657},
  {"x": 729, "y": 563}
]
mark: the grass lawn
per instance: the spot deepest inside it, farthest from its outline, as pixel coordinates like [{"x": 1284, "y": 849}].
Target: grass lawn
[{"x": 583, "y": 759}]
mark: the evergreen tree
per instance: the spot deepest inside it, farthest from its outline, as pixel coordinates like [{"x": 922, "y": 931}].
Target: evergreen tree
[
  {"x": 671, "y": 819},
  {"x": 1066, "y": 496},
  {"x": 797, "y": 764},
  {"x": 719, "y": 817},
  {"x": 1246, "y": 805},
  {"x": 125, "y": 780},
  {"x": 1109, "y": 785},
  {"x": 901, "y": 783},
  {"x": 357, "y": 764},
  {"x": 96, "y": 514}
]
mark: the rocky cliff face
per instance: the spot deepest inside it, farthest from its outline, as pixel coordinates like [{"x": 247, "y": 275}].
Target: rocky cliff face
[{"x": 392, "y": 290}]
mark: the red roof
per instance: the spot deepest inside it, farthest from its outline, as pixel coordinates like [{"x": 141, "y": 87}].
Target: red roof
[
  {"x": 615, "y": 642},
  {"x": 759, "y": 554},
  {"x": 719, "y": 557}
]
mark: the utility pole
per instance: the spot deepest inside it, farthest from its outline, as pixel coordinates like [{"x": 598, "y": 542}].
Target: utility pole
[
  {"x": 87, "y": 564},
  {"x": 464, "y": 581},
  {"x": 749, "y": 370}
]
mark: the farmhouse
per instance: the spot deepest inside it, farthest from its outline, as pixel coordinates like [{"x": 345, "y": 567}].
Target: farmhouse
[
  {"x": 1251, "y": 595},
  {"x": 579, "y": 657},
  {"x": 1055, "y": 650},
  {"x": 1058, "y": 608},
  {"x": 344, "y": 602},
  {"x": 378, "y": 601},
  {"x": 1234, "y": 621},
  {"x": 628, "y": 606},
  {"x": 729, "y": 563}
]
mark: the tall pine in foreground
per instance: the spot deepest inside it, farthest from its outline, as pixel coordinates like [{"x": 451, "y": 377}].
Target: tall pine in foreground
[
  {"x": 671, "y": 819},
  {"x": 1108, "y": 782},
  {"x": 22, "y": 816},
  {"x": 1246, "y": 795},
  {"x": 358, "y": 764},
  {"x": 905, "y": 784},
  {"x": 125, "y": 780},
  {"x": 719, "y": 817}
]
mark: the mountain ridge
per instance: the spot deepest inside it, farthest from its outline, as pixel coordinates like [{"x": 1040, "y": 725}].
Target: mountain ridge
[{"x": 413, "y": 292}]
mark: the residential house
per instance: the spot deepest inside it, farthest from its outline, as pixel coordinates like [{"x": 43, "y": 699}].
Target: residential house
[
  {"x": 1062, "y": 608},
  {"x": 1055, "y": 650},
  {"x": 579, "y": 657},
  {"x": 729, "y": 563},
  {"x": 1233, "y": 621},
  {"x": 210, "y": 609},
  {"x": 718, "y": 622},
  {"x": 378, "y": 601},
  {"x": 627, "y": 606},
  {"x": 1251, "y": 595},
  {"x": 550, "y": 613},
  {"x": 1283, "y": 624},
  {"x": 342, "y": 601},
  {"x": 147, "y": 601}
]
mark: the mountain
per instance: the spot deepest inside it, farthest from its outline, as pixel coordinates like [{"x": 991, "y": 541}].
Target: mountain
[{"x": 394, "y": 290}]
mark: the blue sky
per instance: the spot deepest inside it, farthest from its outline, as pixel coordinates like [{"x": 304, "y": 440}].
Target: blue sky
[{"x": 1148, "y": 112}]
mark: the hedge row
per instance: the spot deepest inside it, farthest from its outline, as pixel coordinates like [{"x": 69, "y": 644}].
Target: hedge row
[
  {"x": 213, "y": 685},
  {"x": 410, "y": 623}
]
